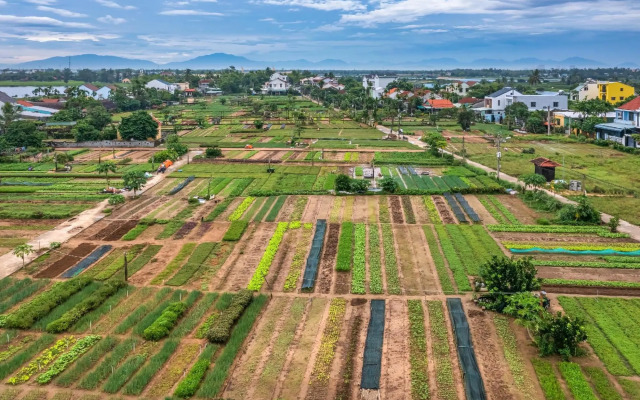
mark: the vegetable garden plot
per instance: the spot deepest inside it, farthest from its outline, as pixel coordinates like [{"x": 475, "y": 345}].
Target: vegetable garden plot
[
  {"x": 313, "y": 260},
  {"x": 474, "y": 386},
  {"x": 182, "y": 185},
  {"x": 87, "y": 262},
  {"x": 467, "y": 208},
  {"x": 373, "y": 347},
  {"x": 67, "y": 261},
  {"x": 455, "y": 208}
]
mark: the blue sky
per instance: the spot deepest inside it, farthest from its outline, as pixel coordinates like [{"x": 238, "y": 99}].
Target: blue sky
[{"x": 362, "y": 32}]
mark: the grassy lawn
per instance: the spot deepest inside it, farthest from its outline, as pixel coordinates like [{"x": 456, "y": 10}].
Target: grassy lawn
[{"x": 624, "y": 207}]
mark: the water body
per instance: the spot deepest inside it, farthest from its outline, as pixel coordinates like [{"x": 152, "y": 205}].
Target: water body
[{"x": 25, "y": 91}]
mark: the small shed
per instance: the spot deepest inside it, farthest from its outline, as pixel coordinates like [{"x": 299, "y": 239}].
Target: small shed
[{"x": 546, "y": 168}]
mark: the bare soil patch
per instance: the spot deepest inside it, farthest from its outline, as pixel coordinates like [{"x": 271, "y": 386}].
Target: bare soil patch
[
  {"x": 327, "y": 261},
  {"x": 443, "y": 210},
  {"x": 395, "y": 207},
  {"x": 67, "y": 261},
  {"x": 395, "y": 380},
  {"x": 482, "y": 212}
]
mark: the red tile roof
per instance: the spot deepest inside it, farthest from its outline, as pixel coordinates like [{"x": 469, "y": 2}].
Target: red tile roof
[
  {"x": 469, "y": 100},
  {"x": 545, "y": 162},
  {"x": 633, "y": 105},
  {"x": 471, "y": 83},
  {"x": 24, "y": 103},
  {"x": 435, "y": 103},
  {"x": 91, "y": 87},
  {"x": 50, "y": 100}
]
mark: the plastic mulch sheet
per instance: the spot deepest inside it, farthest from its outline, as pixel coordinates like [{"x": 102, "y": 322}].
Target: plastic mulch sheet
[
  {"x": 607, "y": 252},
  {"x": 311, "y": 269},
  {"x": 373, "y": 347}
]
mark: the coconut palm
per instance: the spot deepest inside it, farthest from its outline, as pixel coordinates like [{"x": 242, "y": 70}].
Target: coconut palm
[
  {"x": 534, "y": 79},
  {"x": 105, "y": 168}
]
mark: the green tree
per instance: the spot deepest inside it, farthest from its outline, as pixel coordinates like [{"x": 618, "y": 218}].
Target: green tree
[
  {"x": 24, "y": 134},
  {"x": 583, "y": 212},
  {"x": 389, "y": 185},
  {"x": 465, "y": 118},
  {"x": 98, "y": 116},
  {"x": 85, "y": 132},
  {"x": 213, "y": 152},
  {"x": 22, "y": 251},
  {"x": 593, "y": 107},
  {"x": 62, "y": 158},
  {"x": 105, "y": 168},
  {"x": 9, "y": 114},
  {"x": 517, "y": 112},
  {"x": 534, "y": 78},
  {"x": 138, "y": 126},
  {"x": 223, "y": 101},
  {"x": 258, "y": 124},
  {"x": 535, "y": 124},
  {"x": 342, "y": 183},
  {"x": 560, "y": 334},
  {"x": 358, "y": 185},
  {"x": 134, "y": 180},
  {"x": 533, "y": 180},
  {"x": 505, "y": 276},
  {"x": 436, "y": 142},
  {"x": 173, "y": 143}
]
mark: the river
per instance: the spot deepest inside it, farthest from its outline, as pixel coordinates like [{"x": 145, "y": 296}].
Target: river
[{"x": 25, "y": 91}]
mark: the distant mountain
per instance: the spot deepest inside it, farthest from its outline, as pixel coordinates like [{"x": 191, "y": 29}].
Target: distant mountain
[
  {"x": 580, "y": 62},
  {"x": 90, "y": 61},
  {"x": 628, "y": 65},
  {"x": 212, "y": 61}
]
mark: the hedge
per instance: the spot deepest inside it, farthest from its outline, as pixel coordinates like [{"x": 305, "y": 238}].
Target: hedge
[{"x": 167, "y": 320}]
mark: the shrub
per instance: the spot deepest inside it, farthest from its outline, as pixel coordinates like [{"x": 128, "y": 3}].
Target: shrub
[
  {"x": 90, "y": 303},
  {"x": 213, "y": 152},
  {"x": 28, "y": 313},
  {"x": 220, "y": 331},
  {"x": 116, "y": 199},
  {"x": 162, "y": 326}
]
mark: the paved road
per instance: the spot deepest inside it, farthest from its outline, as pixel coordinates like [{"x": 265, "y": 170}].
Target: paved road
[
  {"x": 625, "y": 227},
  {"x": 70, "y": 228}
]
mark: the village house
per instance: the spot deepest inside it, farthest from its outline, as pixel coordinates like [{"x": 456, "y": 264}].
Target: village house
[
  {"x": 624, "y": 126},
  {"x": 541, "y": 102},
  {"x": 159, "y": 84},
  {"x": 496, "y": 102},
  {"x": 376, "y": 85},
  {"x": 460, "y": 87},
  {"x": 277, "y": 84},
  {"x": 611, "y": 92},
  {"x": 89, "y": 89}
]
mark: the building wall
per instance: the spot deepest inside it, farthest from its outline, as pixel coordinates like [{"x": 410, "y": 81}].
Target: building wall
[
  {"x": 615, "y": 91},
  {"x": 590, "y": 93},
  {"x": 539, "y": 103}
]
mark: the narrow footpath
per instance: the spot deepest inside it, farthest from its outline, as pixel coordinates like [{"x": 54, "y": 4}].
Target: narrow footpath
[
  {"x": 71, "y": 227},
  {"x": 625, "y": 227}
]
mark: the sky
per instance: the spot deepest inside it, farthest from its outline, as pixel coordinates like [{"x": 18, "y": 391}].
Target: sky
[{"x": 360, "y": 32}]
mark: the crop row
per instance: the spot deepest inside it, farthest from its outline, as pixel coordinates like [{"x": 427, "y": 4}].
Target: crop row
[
  {"x": 345, "y": 247},
  {"x": 438, "y": 260},
  {"x": 511, "y": 354},
  {"x": 455, "y": 208},
  {"x": 238, "y": 212},
  {"x": 90, "y": 303},
  {"x": 216, "y": 377},
  {"x": 548, "y": 380},
  {"x": 118, "y": 263},
  {"x": 621, "y": 247},
  {"x": 313, "y": 260},
  {"x": 221, "y": 330},
  {"x": 322, "y": 365},
  {"x": 219, "y": 209},
  {"x": 510, "y": 217},
  {"x": 193, "y": 264},
  {"x": 182, "y": 185},
  {"x": 590, "y": 283},
  {"x": 441, "y": 351},
  {"x": 493, "y": 210},
  {"x": 455, "y": 264},
  {"x": 576, "y": 381},
  {"x": 375, "y": 260},
  {"x": 142, "y": 378},
  {"x": 409, "y": 216},
  {"x": 61, "y": 363},
  {"x": 273, "y": 214},
  {"x": 107, "y": 366},
  {"x": 147, "y": 304},
  {"x": 390, "y": 261},
  {"x": 587, "y": 264},
  {"x": 298, "y": 259},
  {"x": 601, "y": 383},
  {"x": 359, "y": 275},
  {"x": 43, "y": 360},
  {"x": 261, "y": 272},
  {"x": 434, "y": 216},
  {"x": 86, "y": 362},
  {"x": 31, "y": 311},
  {"x": 188, "y": 386},
  {"x": 467, "y": 207},
  {"x": 384, "y": 210},
  {"x": 161, "y": 327},
  {"x": 177, "y": 261},
  {"x": 418, "y": 352},
  {"x": 596, "y": 230}
]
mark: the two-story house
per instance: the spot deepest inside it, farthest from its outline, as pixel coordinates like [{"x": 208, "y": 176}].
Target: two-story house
[
  {"x": 376, "y": 85},
  {"x": 159, "y": 84},
  {"x": 278, "y": 84},
  {"x": 496, "y": 102},
  {"x": 460, "y": 87},
  {"x": 547, "y": 101},
  {"x": 611, "y": 92},
  {"x": 626, "y": 124}
]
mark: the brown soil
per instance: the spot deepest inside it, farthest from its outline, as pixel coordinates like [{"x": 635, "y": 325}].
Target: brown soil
[
  {"x": 360, "y": 209},
  {"x": 419, "y": 210},
  {"x": 121, "y": 230},
  {"x": 523, "y": 213},
  {"x": 482, "y": 212},
  {"x": 423, "y": 261},
  {"x": 342, "y": 284},
  {"x": 412, "y": 284},
  {"x": 155, "y": 266},
  {"x": 67, "y": 261},
  {"x": 493, "y": 366},
  {"x": 328, "y": 259},
  {"x": 592, "y": 274},
  {"x": 359, "y": 358},
  {"x": 347, "y": 350},
  {"x": 395, "y": 378},
  {"x": 395, "y": 208},
  {"x": 557, "y": 238},
  {"x": 211, "y": 231},
  {"x": 443, "y": 210},
  {"x": 287, "y": 208}
]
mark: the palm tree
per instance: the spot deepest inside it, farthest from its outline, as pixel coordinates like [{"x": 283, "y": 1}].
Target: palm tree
[
  {"x": 105, "y": 168},
  {"x": 534, "y": 79}
]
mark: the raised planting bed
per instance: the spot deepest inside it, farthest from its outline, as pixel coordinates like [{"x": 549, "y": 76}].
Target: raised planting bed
[
  {"x": 67, "y": 261},
  {"x": 455, "y": 208},
  {"x": 182, "y": 185},
  {"x": 87, "y": 262},
  {"x": 372, "y": 362},
  {"x": 313, "y": 260},
  {"x": 467, "y": 208}
]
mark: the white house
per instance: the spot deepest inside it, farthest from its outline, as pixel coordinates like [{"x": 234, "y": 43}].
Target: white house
[
  {"x": 376, "y": 85},
  {"x": 89, "y": 89},
  {"x": 541, "y": 102},
  {"x": 460, "y": 87},
  {"x": 104, "y": 92},
  {"x": 496, "y": 102},
  {"x": 159, "y": 84},
  {"x": 278, "y": 84}
]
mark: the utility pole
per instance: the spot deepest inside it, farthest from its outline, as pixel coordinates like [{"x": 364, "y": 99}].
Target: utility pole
[
  {"x": 499, "y": 156},
  {"x": 209, "y": 187},
  {"x": 548, "y": 120},
  {"x": 126, "y": 270}
]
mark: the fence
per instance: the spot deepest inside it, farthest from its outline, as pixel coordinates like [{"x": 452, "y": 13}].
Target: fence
[{"x": 106, "y": 144}]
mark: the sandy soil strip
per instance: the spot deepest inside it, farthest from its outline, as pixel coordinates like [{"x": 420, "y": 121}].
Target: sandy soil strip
[
  {"x": 423, "y": 262},
  {"x": 395, "y": 381}
]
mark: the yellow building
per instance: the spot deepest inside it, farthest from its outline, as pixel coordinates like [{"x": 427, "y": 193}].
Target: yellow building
[{"x": 613, "y": 92}]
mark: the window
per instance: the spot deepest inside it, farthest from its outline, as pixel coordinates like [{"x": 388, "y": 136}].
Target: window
[
  {"x": 613, "y": 98},
  {"x": 498, "y": 102},
  {"x": 533, "y": 104},
  {"x": 556, "y": 104},
  {"x": 619, "y": 115},
  {"x": 622, "y": 89},
  {"x": 621, "y": 97}
]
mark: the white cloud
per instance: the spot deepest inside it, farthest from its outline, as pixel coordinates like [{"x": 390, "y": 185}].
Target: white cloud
[
  {"x": 108, "y": 19},
  {"x": 113, "y": 4},
  {"x": 61, "y": 12},
  {"x": 3, "y": 3},
  {"x": 329, "y": 28},
  {"x": 40, "y": 21},
  {"x": 45, "y": 37},
  {"x": 42, "y": 2},
  {"x": 324, "y": 5},
  {"x": 191, "y": 12}
]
